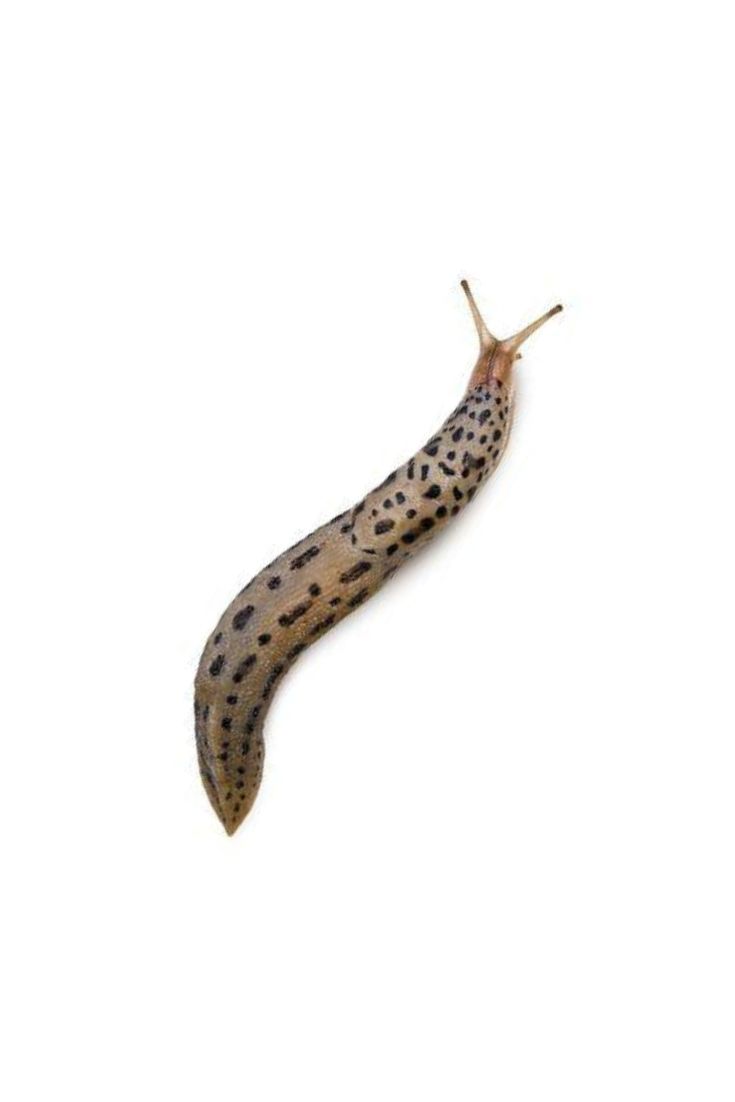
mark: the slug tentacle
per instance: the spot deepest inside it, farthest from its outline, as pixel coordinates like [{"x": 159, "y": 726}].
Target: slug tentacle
[{"x": 316, "y": 583}]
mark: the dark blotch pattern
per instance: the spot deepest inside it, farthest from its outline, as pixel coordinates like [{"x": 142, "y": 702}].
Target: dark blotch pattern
[
  {"x": 272, "y": 678},
  {"x": 243, "y": 668},
  {"x": 306, "y": 556},
  {"x": 355, "y": 572},
  {"x": 240, "y": 619},
  {"x": 217, "y": 666},
  {"x": 288, "y": 618},
  {"x": 323, "y": 625}
]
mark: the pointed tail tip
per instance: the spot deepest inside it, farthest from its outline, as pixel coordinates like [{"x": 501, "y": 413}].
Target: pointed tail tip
[{"x": 229, "y": 825}]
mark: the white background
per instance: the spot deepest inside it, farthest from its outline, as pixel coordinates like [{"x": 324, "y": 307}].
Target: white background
[{"x": 492, "y": 857}]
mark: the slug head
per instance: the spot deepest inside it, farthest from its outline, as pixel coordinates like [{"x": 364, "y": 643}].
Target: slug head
[{"x": 496, "y": 358}]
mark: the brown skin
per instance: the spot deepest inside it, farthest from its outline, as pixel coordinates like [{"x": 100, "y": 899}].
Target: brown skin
[{"x": 311, "y": 587}]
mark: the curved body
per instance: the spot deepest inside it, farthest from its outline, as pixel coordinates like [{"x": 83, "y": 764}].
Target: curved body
[{"x": 327, "y": 575}]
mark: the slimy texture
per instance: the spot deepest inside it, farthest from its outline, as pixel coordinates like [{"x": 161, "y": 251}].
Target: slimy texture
[{"x": 319, "y": 581}]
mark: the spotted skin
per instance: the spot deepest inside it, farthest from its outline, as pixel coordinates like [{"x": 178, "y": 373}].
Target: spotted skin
[
  {"x": 319, "y": 581},
  {"x": 312, "y": 587}
]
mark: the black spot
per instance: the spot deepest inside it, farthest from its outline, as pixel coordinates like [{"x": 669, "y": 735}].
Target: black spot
[
  {"x": 483, "y": 438},
  {"x": 244, "y": 667},
  {"x": 411, "y": 514},
  {"x": 274, "y": 582},
  {"x": 240, "y": 619},
  {"x": 384, "y": 526},
  {"x": 400, "y": 497},
  {"x": 295, "y": 614},
  {"x": 387, "y": 481},
  {"x": 458, "y": 495},
  {"x": 441, "y": 511},
  {"x": 335, "y": 601},
  {"x": 387, "y": 504},
  {"x": 345, "y": 529},
  {"x": 433, "y": 446},
  {"x": 358, "y": 598},
  {"x": 323, "y": 624},
  {"x": 496, "y": 453},
  {"x": 447, "y": 470},
  {"x": 296, "y": 650},
  {"x": 471, "y": 492},
  {"x": 358, "y": 509},
  {"x": 264, "y": 638},
  {"x": 424, "y": 472},
  {"x": 433, "y": 491},
  {"x": 355, "y": 572},
  {"x": 470, "y": 436},
  {"x": 226, "y": 723},
  {"x": 483, "y": 417},
  {"x": 455, "y": 510},
  {"x": 410, "y": 537},
  {"x": 216, "y": 667},
  {"x": 232, "y": 700},
  {"x": 457, "y": 436},
  {"x": 271, "y": 680},
  {"x": 497, "y": 435},
  {"x": 392, "y": 549},
  {"x": 465, "y": 472},
  {"x": 306, "y": 556},
  {"x": 314, "y": 589},
  {"x": 218, "y": 638},
  {"x": 409, "y": 470},
  {"x": 427, "y": 523},
  {"x": 451, "y": 455}
]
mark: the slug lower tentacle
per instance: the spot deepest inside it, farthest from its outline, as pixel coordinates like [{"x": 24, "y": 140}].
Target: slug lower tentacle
[{"x": 308, "y": 589}]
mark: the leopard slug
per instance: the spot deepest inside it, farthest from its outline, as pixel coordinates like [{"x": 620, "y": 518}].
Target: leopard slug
[{"x": 308, "y": 589}]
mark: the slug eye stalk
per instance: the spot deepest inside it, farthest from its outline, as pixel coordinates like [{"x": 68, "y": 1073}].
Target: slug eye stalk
[{"x": 497, "y": 357}]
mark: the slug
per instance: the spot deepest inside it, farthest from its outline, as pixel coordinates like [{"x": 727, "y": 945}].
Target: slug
[{"x": 310, "y": 588}]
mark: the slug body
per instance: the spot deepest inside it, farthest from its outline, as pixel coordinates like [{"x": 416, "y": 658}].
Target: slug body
[{"x": 311, "y": 587}]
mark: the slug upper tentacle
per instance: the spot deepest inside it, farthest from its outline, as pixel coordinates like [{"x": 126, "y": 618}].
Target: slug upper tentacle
[{"x": 311, "y": 587}]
